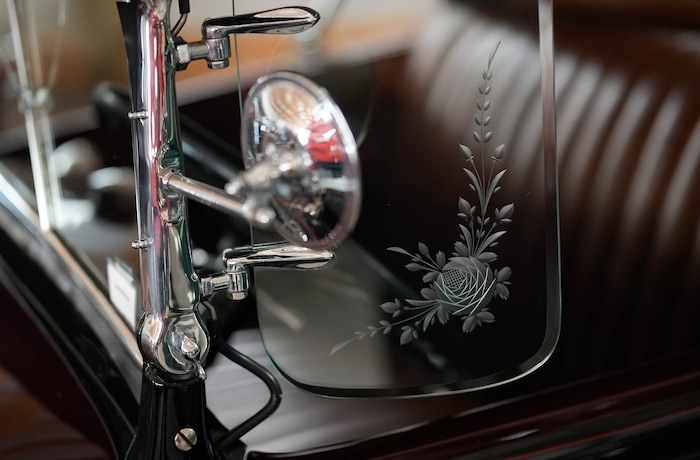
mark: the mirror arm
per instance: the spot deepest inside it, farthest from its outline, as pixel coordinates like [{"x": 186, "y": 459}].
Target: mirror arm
[
  {"x": 262, "y": 175},
  {"x": 173, "y": 181}
]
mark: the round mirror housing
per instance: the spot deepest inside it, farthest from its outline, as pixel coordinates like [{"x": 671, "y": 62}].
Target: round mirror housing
[{"x": 300, "y": 152}]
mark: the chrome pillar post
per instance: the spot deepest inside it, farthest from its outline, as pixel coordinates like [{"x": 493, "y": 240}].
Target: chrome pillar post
[{"x": 171, "y": 334}]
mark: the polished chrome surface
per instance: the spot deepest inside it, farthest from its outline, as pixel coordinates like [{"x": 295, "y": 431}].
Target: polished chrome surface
[
  {"x": 169, "y": 286},
  {"x": 300, "y": 150},
  {"x": 277, "y": 255},
  {"x": 185, "y": 439},
  {"x": 306, "y": 181},
  {"x": 287, "y": 20},
  {"x": 239, "y": 261},
  {"x": 258, "y": 214},
  {"x": 215, "y": 46}
]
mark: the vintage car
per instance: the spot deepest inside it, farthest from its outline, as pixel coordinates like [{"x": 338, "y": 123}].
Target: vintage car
[{"x": 491, "y": 206}]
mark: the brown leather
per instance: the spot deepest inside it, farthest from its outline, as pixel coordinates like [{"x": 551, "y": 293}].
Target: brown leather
[{"x": 29, "y": 429}]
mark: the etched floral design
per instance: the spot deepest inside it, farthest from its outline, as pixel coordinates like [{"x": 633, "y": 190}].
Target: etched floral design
[{"x": 462, "y": 285}]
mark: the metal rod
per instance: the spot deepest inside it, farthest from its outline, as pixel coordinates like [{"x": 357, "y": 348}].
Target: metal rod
[
  {"x": 34, "y": 102},
  {"x": 262, "y": 216}
]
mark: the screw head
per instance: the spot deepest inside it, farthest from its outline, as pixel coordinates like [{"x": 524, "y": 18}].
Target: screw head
[
  {"x": 237, "y": 295},
  {"x": 185, "y": 439},
  {"x": 218, "y": 65}
]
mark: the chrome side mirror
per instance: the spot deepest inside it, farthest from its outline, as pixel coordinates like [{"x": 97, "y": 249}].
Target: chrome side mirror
[
  {"x": 301, "y": 171},
  {"x": 300, "y": 153},
  {"x": 302, "y": 175}
]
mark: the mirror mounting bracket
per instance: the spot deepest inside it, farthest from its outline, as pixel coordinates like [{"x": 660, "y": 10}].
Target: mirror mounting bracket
[
  {"x": 215, "y": 46},
  {"x": 302, "y": 178},
  {"x": 238, "y": 262}
]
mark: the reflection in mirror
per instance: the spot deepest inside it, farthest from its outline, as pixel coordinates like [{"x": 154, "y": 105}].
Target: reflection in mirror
[{"x": 302, "y": 152}]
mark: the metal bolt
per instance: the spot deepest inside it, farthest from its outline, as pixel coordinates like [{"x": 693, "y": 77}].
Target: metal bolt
[
  {"x": 138, "y": 115},
  {"x": 239, "y": 281},
  {"x": 218, "y": 65},
  {"x": 143, "y": 243},
  {"x": 237, "y": 295},
  {"x": 185, "y": 439}
]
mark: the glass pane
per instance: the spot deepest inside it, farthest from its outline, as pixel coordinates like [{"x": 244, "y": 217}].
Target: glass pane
[{"x": 450, "y": 281}]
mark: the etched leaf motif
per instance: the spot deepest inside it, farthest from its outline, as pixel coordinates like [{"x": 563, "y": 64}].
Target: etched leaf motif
[
  {"x": 440, "y": 258},
  {"x": 487, "y": 257},
  {"x": 494, "y": 183},
  {"x": 464, "y": 284},
  {"x": 469, "y": 324},
  {"x": 399, "y": 250},
  {"x": 492, "y": 54},
  {"x": 491, "y": 240},
  {"x": 406, "y": 336},
  {"x": 443, "y": 314},
  {"x": 428, "y": 320},
  {"x": 506, "y": 211},
  {"x": 502, "y": 291},
  {"x": 464, "y": 206},
  {"x": 473, "y": 178},
  {"x": 428, "y": 293},
  {"x": 462, "y": 249},
  {"x": 468, "y": 238},
  {"x": 390, "y": 307},
  {"x": 485, "y": 316},
  {"x": 503, "y": 274},
  {"x": 499, "y": 152},
  {"x": 466, "y": 152}
]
